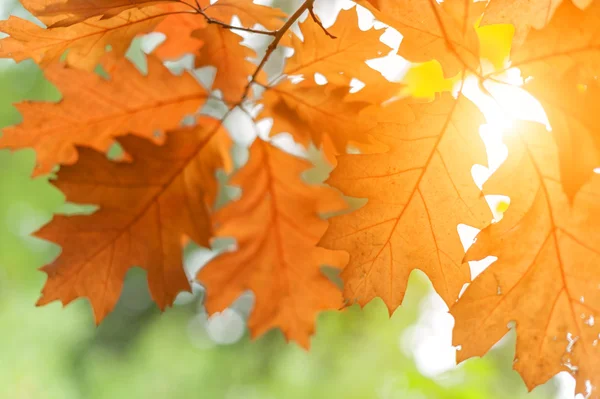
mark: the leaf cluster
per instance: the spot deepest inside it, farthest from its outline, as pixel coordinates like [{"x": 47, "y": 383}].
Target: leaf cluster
[{"x": 412, "y": 160}]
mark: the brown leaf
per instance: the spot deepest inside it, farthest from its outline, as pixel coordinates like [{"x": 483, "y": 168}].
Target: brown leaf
[
  {"x": 546, "y": 278},
  {"x": 146, "y": 207},
  {"x": 432, "y": 31},
  {"x": 276, "y": 224},
  {"x": 94, "y": 110},
  {"x": 86, "y": 41},
  {"x": 418, "y": 192}
]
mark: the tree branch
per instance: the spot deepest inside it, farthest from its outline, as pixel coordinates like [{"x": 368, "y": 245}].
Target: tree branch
[
  {"x": 197, "y": 9},
  {"x": 318, "y": 21},
  {"x": 211, "y": 20},
  {"x": 278, "y": 35}
]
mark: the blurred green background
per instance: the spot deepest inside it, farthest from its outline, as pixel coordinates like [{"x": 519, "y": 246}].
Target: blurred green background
[{"x": 51, "y": 352}]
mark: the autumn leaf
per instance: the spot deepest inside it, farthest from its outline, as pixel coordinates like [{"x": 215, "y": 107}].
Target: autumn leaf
[
  {"x": 145, "y": 209},
  {"x": 570, "y": 41},
  {"x": 179, "y": 28},
  {"x": 444, "y": 32},
  {"x": 524, "y": 15},
  {"x": 338, "y": 59},
  {"x": 573, "y": 112},
  {"x": 86, "y": 41},
  {"x": 310, "y": 112},
  {"x": 223, "y": 50},
  {"x": 248, "y": 12},
  {"x": 558, "y": 62},
  {"x": 61, "y": 13},
  {"x": 546, "y": 277},
  {"x": 276, "y": 224},
  {"x": 95, "y": 110},
  {"x": 418, "y": 192}
]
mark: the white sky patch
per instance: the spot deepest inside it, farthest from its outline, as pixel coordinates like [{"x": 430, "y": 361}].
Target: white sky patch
[
  {"x": 5, "y": 7},
  {"x": 429, "y": 340},
  {"x": 226, "y": 327},
  {"x": 566, "y": 387}
]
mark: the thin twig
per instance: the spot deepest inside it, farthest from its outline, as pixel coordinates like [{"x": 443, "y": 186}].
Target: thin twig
[
  {"x": 210, "y": 20},
  {"x": 279, "y": 33},
  {"x": 318, "y": 21}
]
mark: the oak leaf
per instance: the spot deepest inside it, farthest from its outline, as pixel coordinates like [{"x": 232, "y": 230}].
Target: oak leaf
[
  {"x": 433, "y": 31},
  {"x": 570, "y": 41},
  {"x": 546, "y": 278},
  {"x": 248, "y": 12},
  {"x": 559, "y": 62},
  {"x": 86, "y": 41},
  {"x": 223, "y": 50},
  {"x": 61, "y": 13},
  {"x": 418, "y": 192},
  {"x": 94, "y": 110},
  {"x": 338, "y": 59},
  {"x": 180, "y": 28},
  {"x": 145, "y": 209},
  {"x": 310, "y": 112},
  {"x": 572, "y": 111},
  {"x": 277, "y": 225},
  {"x": 524, "y": 15}
]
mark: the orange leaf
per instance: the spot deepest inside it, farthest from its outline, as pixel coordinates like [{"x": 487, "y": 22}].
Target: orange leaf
[
  {"x": 346, "y": 54},
  {"x": 560, "y": 57},
  {"x": 309, "y": 112},
  {"x": 573, "y": 115},
  {"x": 223, "y": 50},
  {"x": 570, "y": 41},
  {"x": 248, "y": 12},
  {"x": 94, "y": 110},
  {"x": 546, "y": 278},
  {"x": 146, "y": 207},
  {"x": 418, "y": 192},
  {"x": 86, "y": 41},
  {"x": 444, "y": 32},
  {"x": 276, "y": 224},
  {"x": 179, "y": 28},
  {"x": 61, "y": 13},
  {"x": 524, "y": 15}
]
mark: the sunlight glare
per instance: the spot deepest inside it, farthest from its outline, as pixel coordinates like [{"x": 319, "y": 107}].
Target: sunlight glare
[
  {"x": 505, "y": 101},
  {"x": 502, "y": 103}
]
